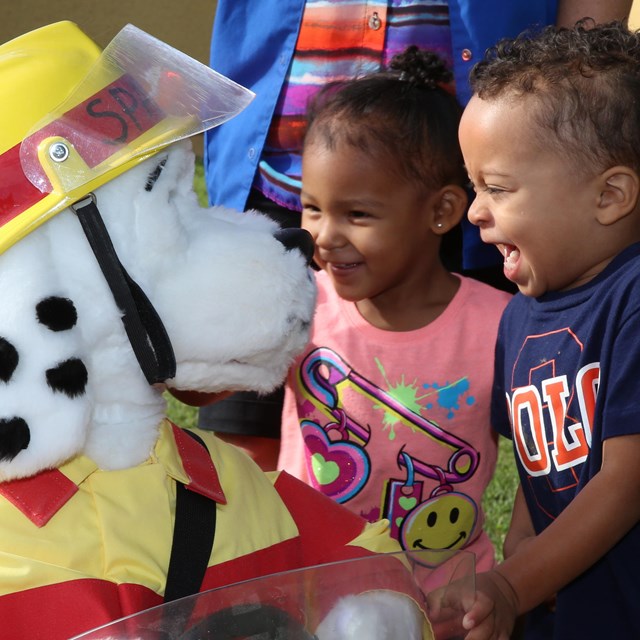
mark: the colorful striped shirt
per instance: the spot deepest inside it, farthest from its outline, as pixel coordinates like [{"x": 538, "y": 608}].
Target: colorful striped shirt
[{"x": 339, "y": 40}]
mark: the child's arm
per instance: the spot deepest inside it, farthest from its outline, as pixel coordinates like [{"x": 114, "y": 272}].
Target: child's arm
[
  {"x": 600, "y": 515},
  {"x": 520, "y": 528}
]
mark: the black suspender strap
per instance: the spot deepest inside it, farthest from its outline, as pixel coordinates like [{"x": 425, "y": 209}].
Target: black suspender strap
[{"x": 193, "y": 533}]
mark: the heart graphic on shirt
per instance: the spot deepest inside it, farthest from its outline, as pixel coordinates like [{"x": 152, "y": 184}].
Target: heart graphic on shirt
[
  {"x": 407, "y": 503},
  {"x": 339, "y": 469},
  {"x": 325, "y": 471}
]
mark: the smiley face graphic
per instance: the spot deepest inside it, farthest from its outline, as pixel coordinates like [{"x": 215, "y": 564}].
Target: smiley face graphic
[{"x": 443, "y": 524}]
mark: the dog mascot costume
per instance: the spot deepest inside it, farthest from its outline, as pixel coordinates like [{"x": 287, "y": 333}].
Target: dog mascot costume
[{"x": 115, "y": 286}]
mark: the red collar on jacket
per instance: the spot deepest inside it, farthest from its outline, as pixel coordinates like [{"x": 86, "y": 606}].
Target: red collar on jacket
[{"x": 41, "y": 496}]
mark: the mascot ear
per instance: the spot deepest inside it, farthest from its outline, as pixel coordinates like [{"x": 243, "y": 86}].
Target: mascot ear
[{"x": 146, "y": 333}]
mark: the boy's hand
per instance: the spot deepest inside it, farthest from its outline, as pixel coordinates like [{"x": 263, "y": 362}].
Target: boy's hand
[
  {"x": 494, "y": 612},
  {"x": 491, "y": 615}
]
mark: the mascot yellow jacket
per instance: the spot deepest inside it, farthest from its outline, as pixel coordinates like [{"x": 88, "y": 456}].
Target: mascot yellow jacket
[{"x": 98, "y": 551}]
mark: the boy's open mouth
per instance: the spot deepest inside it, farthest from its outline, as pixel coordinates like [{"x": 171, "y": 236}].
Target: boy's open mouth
[{"x": 511, "y": 254}]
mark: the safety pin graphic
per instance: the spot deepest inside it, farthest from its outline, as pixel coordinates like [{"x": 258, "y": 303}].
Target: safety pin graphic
[{"x": 462, "y": 463}]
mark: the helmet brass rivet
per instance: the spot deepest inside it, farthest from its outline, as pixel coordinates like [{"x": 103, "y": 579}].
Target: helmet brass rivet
[{"x": 58, "y": 152}]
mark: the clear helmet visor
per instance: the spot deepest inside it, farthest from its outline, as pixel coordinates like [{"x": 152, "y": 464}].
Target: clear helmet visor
[{"x": 140, "y": 95}]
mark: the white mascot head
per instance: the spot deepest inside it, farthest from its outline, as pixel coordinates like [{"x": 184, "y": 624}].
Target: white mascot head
[{"x": 113, "y": 281}]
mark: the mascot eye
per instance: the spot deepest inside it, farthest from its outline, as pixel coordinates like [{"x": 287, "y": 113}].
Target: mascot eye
[{"x": 154, "y": 175}]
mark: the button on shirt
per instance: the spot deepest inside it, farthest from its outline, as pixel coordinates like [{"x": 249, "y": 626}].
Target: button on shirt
[{"x": 338, "y": 41}]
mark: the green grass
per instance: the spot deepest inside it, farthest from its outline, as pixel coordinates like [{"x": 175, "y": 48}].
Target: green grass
[
  {"x": 498, "y": 498},
  {"x": 199, "y": 184},
  {"x": 181, "y": 414}
]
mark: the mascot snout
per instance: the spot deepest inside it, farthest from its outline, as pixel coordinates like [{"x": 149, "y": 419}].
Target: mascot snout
[{"x": 299, "y": 239}]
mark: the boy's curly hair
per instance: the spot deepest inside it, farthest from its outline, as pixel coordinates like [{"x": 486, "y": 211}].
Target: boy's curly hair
[
  {"x": 586, "y": 80},
  {"x": 406, "y": 113}
]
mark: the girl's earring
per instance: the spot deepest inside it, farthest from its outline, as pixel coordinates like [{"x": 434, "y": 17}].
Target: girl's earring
[{"x": 439, "y": 225}]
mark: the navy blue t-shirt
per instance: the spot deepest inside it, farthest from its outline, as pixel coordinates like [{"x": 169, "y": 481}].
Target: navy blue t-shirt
[{"x": 567, "y": 378}]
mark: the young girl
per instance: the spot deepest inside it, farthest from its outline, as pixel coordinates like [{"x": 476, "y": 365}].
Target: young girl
[{"x": 387, "y": 411}]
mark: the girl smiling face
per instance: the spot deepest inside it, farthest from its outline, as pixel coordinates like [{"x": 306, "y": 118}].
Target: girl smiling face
[
  {"x": 532, "y": 202},
  {"x": 376, "y": 233}
]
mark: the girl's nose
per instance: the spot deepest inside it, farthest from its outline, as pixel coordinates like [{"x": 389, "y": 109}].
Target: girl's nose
[{"x": 329, "y": 235}]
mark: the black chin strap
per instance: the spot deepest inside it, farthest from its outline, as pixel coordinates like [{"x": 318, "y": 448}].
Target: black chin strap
[{"x": 143, "y": 325}]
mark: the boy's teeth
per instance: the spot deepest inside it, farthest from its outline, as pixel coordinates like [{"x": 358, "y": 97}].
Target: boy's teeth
[{"x": 511, "y": 255}]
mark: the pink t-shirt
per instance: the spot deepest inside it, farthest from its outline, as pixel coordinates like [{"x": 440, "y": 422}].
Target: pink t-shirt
[{"x": 396, "y": 424}]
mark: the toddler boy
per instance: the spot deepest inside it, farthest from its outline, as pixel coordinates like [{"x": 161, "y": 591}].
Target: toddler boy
[{"x": 551, "y": 141}]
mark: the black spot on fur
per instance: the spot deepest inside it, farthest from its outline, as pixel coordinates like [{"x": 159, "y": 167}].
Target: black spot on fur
[
  {"x": 8, "y": 360},
  {"x": 152, "y": 178},
  {"x": 57, "y": 314},
  {"x": 14, "y": 437},
  {"x": 68, "y": 377}
]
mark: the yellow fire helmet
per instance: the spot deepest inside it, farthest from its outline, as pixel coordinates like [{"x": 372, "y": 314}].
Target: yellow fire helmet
[{"x": 74, "y": 117}]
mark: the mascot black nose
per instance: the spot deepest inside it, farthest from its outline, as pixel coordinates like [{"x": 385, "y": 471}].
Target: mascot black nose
[
  {"x": 293, "y": 238},
  {"x": 14, "y": 437}
]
